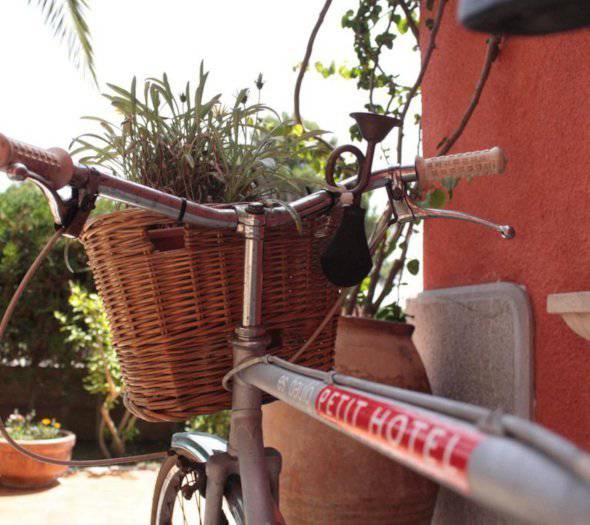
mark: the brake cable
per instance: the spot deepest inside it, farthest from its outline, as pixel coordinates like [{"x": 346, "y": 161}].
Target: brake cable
[{"x": 3, "y": 325}]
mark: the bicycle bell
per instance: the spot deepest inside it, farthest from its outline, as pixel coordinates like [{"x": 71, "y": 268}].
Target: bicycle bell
[{"x": 346, "y": 260}]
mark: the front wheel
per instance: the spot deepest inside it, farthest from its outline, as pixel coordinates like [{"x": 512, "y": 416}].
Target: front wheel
[{"x": 179, "y": 495}]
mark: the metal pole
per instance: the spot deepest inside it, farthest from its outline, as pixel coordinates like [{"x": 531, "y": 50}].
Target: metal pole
[
  {"x": 494, "y": 470},
  {"x": 246, "y": 442}
]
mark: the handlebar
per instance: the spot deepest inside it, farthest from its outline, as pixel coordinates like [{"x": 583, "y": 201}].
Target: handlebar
[
  {"x": 55, "y": 164},
  {"x": 57, "y": 169},
  {"x": 487, "y": 162}
]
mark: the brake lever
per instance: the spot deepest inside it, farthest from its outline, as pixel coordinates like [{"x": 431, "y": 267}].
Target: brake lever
[
  {"x": 70, "y": 213},
  {"x": 405, "y": 210}
]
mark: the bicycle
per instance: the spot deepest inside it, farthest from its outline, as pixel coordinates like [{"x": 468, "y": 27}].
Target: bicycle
[{"x": 504, "y": 462}]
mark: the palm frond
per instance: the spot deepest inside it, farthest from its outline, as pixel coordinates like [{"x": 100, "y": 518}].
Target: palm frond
[{"x": 67, "y": 20}]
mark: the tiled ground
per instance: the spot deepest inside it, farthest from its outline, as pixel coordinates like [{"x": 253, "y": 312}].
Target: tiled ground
[{"x": 95, "y": 497}]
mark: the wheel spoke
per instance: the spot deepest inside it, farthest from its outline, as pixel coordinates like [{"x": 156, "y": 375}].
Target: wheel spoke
[
  {"x": 182, "y": 483},
  {"x": 181, "y": 498}
]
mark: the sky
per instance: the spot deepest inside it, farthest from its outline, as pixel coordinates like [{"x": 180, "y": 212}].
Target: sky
[{"x": 42, "y": 96}]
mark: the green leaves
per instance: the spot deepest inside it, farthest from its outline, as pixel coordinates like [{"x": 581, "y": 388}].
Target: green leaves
[
  {"x": 413, "y": 266},
  {"x": 20, "y": 242},
  {"x": 325, "y": 71},
  {"x": 216, "y": 424},
  {"x": 87, "y": 332},
  {"x": 377, "y": 25},
  {"x": 436, "y": 198},
  {"x": 391, "y": 312}
]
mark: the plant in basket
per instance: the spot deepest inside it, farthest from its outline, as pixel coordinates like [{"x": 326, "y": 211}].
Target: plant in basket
[
  {"x": 45, "y": 437},
  {"x": 173, "y": 293},
  {"x": 197, "y": 147}
]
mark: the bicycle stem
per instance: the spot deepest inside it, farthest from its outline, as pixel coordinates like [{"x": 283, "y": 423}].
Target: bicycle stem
[{"x": 251, "y": 340}]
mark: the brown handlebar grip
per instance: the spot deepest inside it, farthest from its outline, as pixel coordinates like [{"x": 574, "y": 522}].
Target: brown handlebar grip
[
  {"x": 54, "y": 164},
  {"x": 487, "y": 162}
]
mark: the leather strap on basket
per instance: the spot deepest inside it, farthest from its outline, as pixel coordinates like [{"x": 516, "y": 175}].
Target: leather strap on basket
[{"x": 5, "y": 320}]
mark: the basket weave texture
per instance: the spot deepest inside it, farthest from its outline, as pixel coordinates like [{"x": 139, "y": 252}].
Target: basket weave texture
[{"x": 174, "y": 298}]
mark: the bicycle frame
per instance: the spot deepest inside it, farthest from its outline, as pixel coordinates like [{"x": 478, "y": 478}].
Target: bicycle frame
[
  {"x": 506, "y": 463},
  {"x": 495, "y": 470}
]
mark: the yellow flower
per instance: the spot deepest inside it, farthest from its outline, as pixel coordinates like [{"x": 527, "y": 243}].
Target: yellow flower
[
  {"x": 57, "y": 425},
  {"x": 46, "y": 421}
]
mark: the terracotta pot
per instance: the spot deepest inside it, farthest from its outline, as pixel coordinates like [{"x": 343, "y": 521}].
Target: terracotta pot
[
  {"x": 19, "y": 471},
  {"x": 327, "y": 477}
]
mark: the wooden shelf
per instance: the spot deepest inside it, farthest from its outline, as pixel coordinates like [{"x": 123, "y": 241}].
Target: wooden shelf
[{"x": 574, "y": 308}]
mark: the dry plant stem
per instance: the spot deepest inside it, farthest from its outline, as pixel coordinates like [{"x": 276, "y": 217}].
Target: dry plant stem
[
  {"x": 305, "y": 63},
  {"x": 124, "y": 420},
  {"x": 127, "y": 423},
  {"x": 370, "y": 307},
  {"x": 493, "y": 48},
  {"x": 131, "y": 423},
  {"x": 303, "y": 69},
  {"x": 105, "y": 414},
  {"x": 380, "y": 259},
  {"x": 377, "y": 238},
  {"x": 377, "y": 264},
  {"x": 113, "y": 391},
  {"x": 376, "y": 58},
  {"x": 395, "y": 269},
  {"x": 425, "y": 62},
  {"x": 351, "y": 296}
]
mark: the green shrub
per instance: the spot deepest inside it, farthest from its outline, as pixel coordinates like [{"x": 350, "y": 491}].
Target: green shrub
[
  {"x": 217, "y": 424},
  {"x": 88, "y": 334},
  {"x": 33, "y": 335}
]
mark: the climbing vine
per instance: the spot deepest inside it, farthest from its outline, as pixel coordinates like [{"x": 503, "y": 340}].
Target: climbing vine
[{"x": 382, "y": 30}]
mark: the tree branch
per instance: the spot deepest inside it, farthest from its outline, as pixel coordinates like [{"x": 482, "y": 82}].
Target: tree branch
[
  {"x": 305, "y": 63},
  {"x": 101, "y": 442},
  {"x": 411, "y": 23},
  {"x": 491, "y": 55},
  {"x": 425, "y": 62},
  {"x": 118, "y": 444}
]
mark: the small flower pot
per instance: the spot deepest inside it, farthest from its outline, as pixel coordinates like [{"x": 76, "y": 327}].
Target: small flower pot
[{"x": 20, "y": 471}]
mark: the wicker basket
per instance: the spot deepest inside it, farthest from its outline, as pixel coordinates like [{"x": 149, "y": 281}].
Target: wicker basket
[{"x": 173, "y": 296}]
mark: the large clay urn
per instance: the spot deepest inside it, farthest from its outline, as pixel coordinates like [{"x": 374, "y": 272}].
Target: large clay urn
[{"x": 327, "y": 477}]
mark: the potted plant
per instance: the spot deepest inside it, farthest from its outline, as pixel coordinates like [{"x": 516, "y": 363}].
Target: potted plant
[{"x": 45, "y": 437}]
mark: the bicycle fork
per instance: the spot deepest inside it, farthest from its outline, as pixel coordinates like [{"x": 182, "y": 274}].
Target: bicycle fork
[{"x": 258, "y": 467}]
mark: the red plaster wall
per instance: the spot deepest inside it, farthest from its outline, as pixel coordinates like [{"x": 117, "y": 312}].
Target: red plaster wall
[{"x": 536, "y": 107}]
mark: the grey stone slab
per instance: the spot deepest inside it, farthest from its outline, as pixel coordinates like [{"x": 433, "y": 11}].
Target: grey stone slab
[{"x": 476, "y": 344}]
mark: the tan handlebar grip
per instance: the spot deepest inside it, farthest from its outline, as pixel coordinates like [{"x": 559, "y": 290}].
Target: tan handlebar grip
[
  {"x": 487, "y": 162},
  {"x": 55, "y": 164}
]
